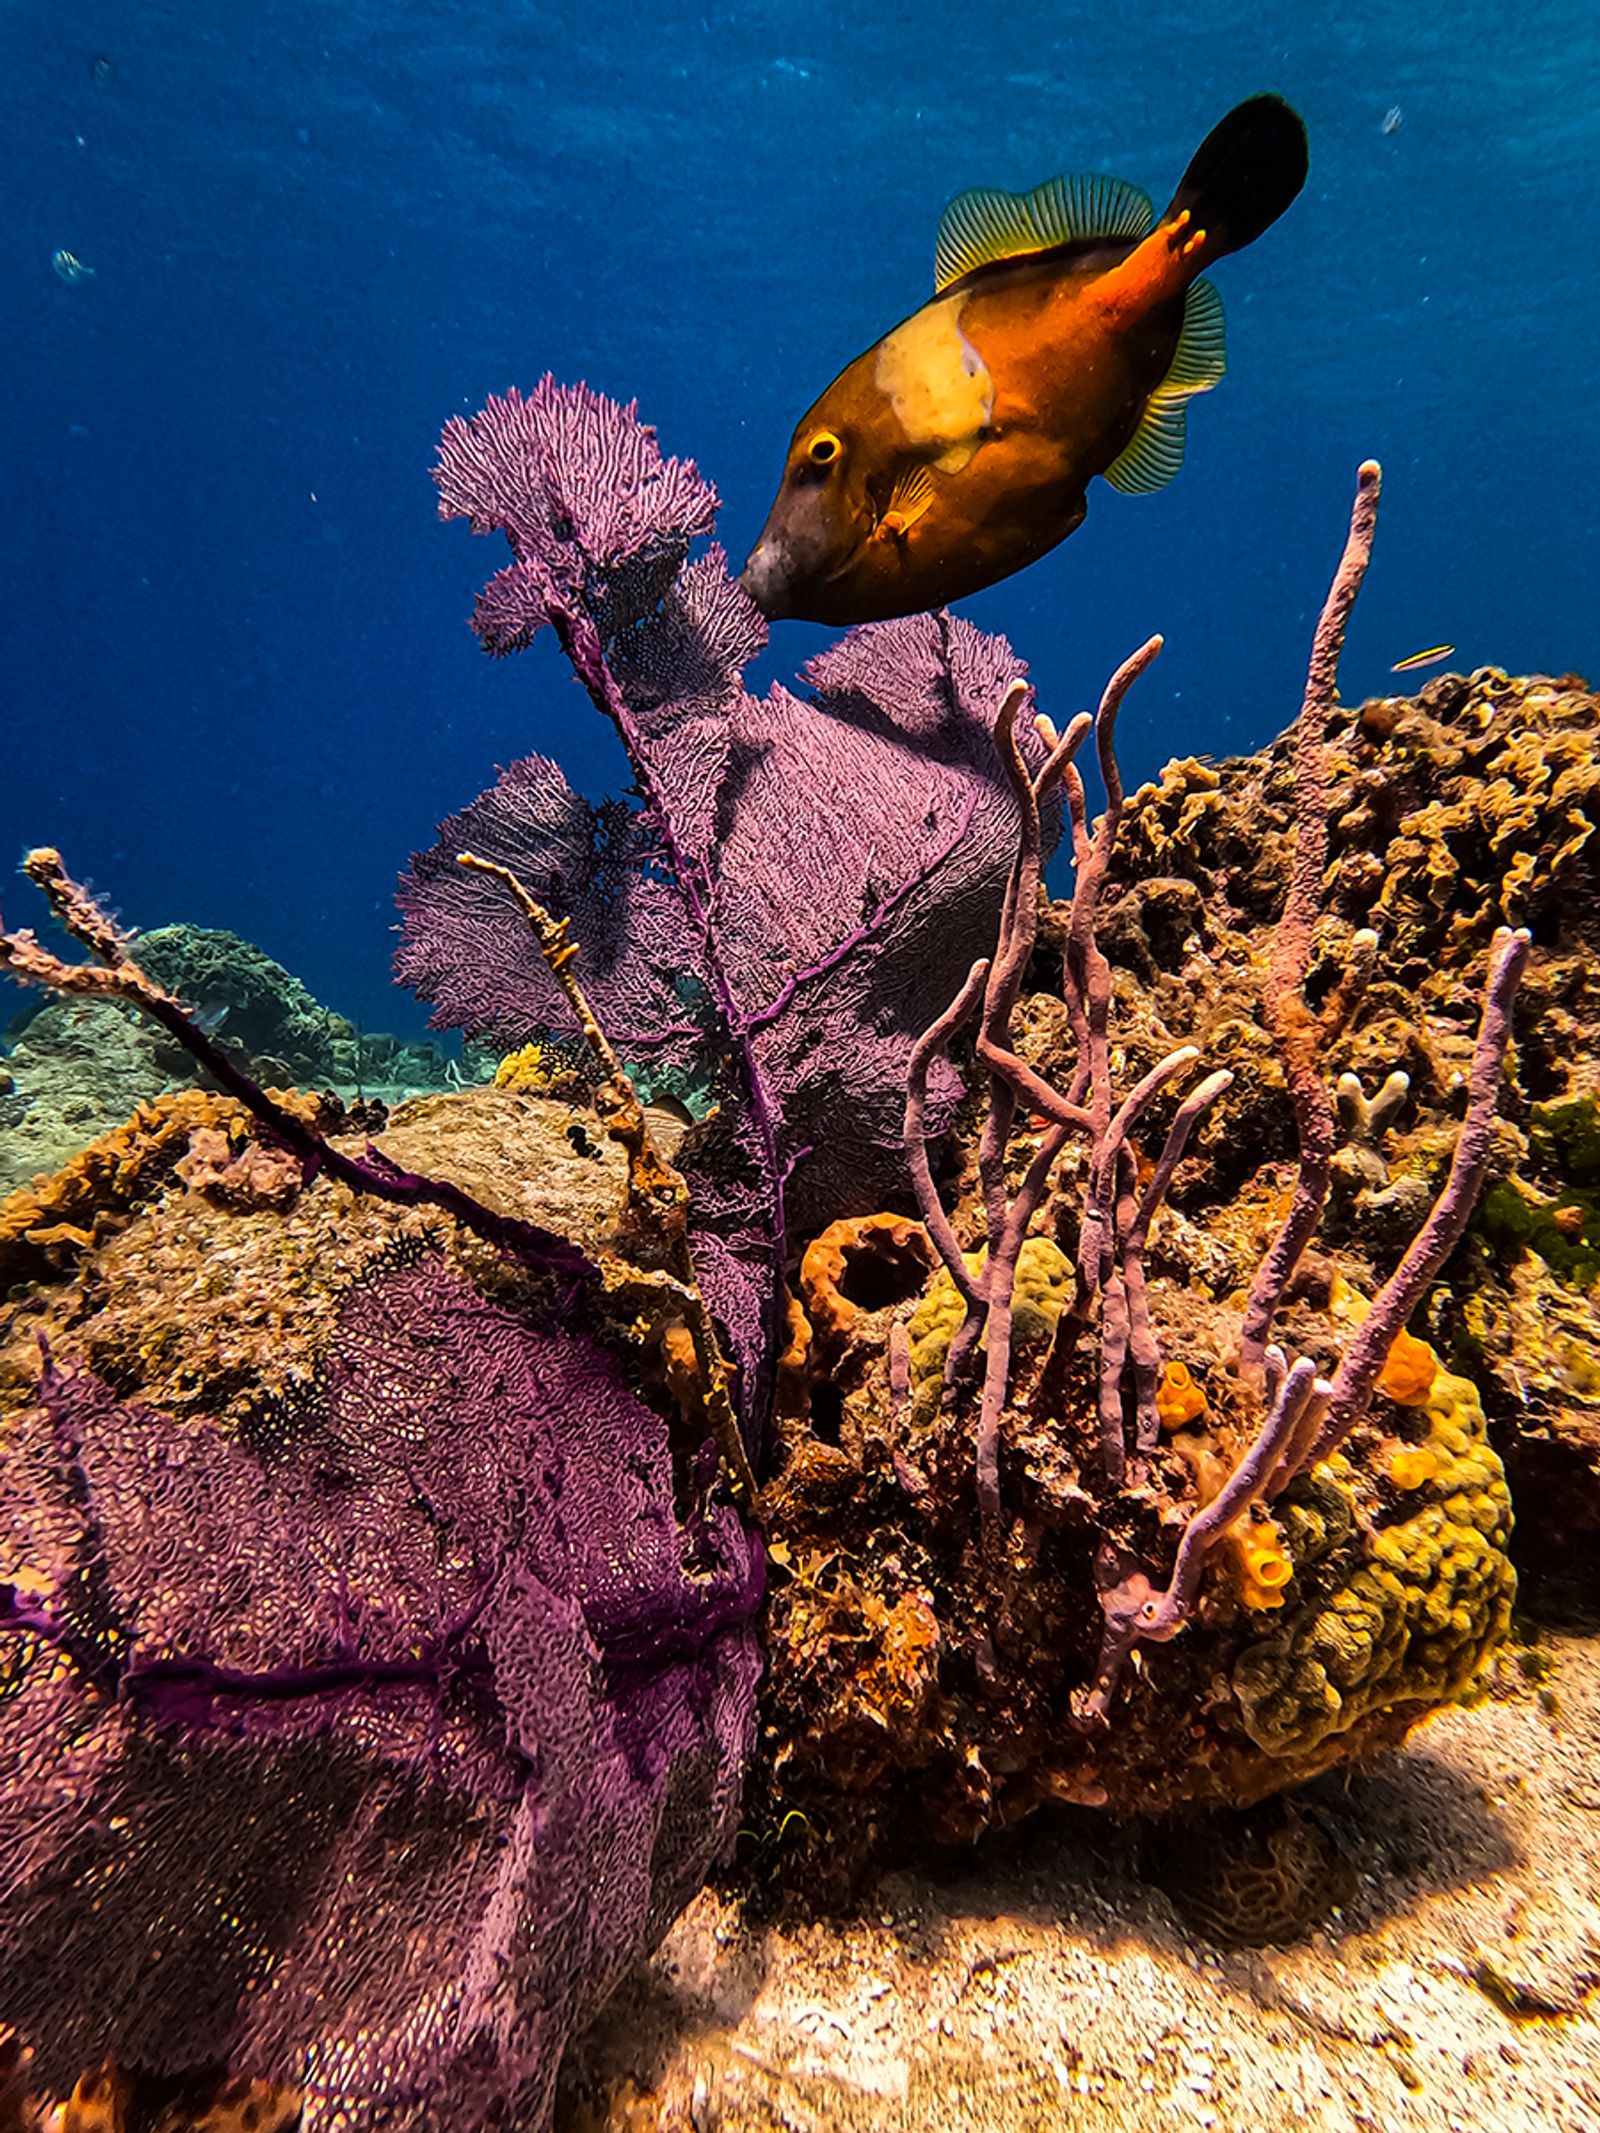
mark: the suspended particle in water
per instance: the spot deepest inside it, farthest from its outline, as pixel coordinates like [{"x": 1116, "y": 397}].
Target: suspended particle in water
[{"x": 70, "y": 267}]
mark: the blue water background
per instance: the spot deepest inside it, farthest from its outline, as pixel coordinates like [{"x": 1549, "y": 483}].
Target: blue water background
[{"x": 236, "y": 682}]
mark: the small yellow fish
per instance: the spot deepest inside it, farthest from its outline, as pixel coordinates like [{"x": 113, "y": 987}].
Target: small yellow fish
[
  {"x": 1068, "y": 332},
  {"x": 1430, "y": 658}
]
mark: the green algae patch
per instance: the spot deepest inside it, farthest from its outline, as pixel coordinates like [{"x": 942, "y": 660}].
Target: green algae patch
[
  {"x": 1564, "y": 1233},
  {"x": 1565, "y": 1138}
]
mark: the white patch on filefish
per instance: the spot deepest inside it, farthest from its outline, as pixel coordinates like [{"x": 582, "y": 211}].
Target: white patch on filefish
[
  {"x": 70, "y": 267},
  {"x": 937, "y": 383}
]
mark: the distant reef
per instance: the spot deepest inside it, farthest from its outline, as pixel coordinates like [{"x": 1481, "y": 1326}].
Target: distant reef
[{"x": 75, "y": 1068}]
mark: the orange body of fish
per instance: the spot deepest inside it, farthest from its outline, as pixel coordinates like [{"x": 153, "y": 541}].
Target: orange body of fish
[{"x": 1068, "y": 332}]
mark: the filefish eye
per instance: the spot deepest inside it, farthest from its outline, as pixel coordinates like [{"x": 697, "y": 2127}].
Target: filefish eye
[{"x": 823, "y": 449}]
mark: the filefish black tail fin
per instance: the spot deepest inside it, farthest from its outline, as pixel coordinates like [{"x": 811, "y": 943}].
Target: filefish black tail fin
[{"x": 1244, "y": 173}]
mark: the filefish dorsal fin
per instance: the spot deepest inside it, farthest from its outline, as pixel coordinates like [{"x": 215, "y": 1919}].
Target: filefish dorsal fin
[
  {"x": 1154, "y": 453},
  {"x": 980, "y": 227}
]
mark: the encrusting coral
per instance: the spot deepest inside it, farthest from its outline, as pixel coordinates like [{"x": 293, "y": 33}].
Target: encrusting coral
[
  {"x": 1403, "y": 1617},
  {"x": 58, "y": 1219}
]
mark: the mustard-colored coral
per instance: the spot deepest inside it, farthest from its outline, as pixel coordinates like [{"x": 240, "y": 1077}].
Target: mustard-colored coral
[
  {"x": 1412, "y": 1466},
  {"x": 1408, "y": 1619},
  {"x": 542, "y": 1069},
  {"x": 1178, "y": 1398},
  {"x": 1044, "y": 1281},
  {"x": 1506, "y": 828}
]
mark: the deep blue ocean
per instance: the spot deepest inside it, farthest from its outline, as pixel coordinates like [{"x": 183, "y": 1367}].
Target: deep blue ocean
[{"x": 238, "y": 683}]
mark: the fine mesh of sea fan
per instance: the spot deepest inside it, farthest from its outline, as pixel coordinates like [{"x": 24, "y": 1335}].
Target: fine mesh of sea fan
[
  {"x": 579, "y": 487},
  {"x": 365, "y": 1755}
]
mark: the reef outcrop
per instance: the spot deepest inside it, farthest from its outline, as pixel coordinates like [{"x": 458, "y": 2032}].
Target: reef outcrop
[
  {"x": 1474, "y": 804},
  {"x": 1365, "y": 1592}
]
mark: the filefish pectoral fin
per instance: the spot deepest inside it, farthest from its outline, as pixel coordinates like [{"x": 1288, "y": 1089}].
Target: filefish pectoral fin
[{"x": 910, "y": 496}]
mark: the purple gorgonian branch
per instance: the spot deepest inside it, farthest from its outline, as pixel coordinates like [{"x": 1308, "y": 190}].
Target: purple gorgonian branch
[{"x": 1116, "y": 1220}]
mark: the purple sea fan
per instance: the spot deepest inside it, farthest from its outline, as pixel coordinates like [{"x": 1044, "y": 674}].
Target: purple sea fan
[
  {"x": 368, "y": 1754},
  {"x": 806, "y": 879},
  {"x": 580, "y": 489},
  {"x": 865, "y": 837},
  {"x": 468, "y": 950}
]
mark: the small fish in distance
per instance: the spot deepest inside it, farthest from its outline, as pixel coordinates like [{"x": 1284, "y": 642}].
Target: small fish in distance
[
  {"x": 70, "y": 267},
  {"x": 1428, "y": 658},
  {"x": 1068, "y": 332}
]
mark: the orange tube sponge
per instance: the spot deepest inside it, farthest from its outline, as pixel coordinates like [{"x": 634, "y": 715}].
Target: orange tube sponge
[
  {"x": 1178, "y": 1398},
  {"x": 861, "y": 1265}
]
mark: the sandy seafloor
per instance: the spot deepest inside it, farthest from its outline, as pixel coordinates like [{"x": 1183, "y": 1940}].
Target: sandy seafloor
[{"x": 1044, "y": 1984}]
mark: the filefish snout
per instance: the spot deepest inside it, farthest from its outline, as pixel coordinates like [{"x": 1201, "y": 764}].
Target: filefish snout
[
  {"x": 797, "y": 548},
  {"x": 765, "y": 577}
]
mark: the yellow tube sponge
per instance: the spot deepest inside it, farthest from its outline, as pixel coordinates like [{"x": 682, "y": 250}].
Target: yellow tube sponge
[
  {"x": 1264, "y": 1566},
  {"x": 1409, "y": 1617},
  {"x": 1178, "y": 1398}
]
